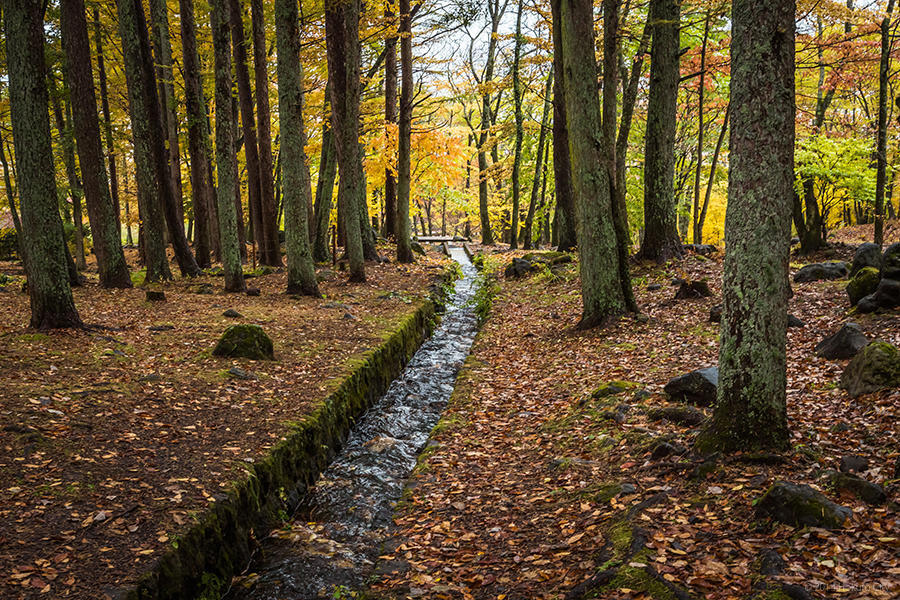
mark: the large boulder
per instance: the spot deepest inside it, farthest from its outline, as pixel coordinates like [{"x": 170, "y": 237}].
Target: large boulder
[
  {"x": 863, "y": 283},
  {"x": 887, "y": 295},
  {"x": 801, "y": 505},
  {"x": 890, "y": 262},
  {"x": 846, "y": 342},
  {"x": 868, "y": 492},
  {"x": 822, "y": 271},
  {"x": 697, "y": 387},
  {"x": 877, "y": 366},
  {"x": 245, "y": 341},
  {"x": 867, "y": 255}
]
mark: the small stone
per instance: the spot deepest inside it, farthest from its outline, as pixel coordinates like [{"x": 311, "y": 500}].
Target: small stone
[
  {"x": 245, "y": 341},
  {"x": 693, "y": 289},
  {"x": 680, "y": 415},
  {"x": 795, "y": 322},
  {"x": 862, "y": 284},
  {"x": 239, "y": 373},
  {"x": 232, "y": 314},
  {"x": 663, "y": 449},
  {"x": 417, "y": 247},
  {"x": 252, "y": 291},
  {"x": 822, "y": 271},
  {"x": 349, "y": 317},
  {"x": 155, "y": 296},
  {"x": 769, "y": 562},
  {"x": 151, "y": 378},
  {"x": 161, "y": 328},
  {"x": 846, "y": 342},
  {"x": 654, "y": 286},
  {"x": 801, "y": 505},
  {"x": 866, "y": 255},
  {"x": 697, "y": 387},
  {"x": 877, "y": 366},
  {"x": 868, "y": 492},
  {"x": 854, "y": 463}
]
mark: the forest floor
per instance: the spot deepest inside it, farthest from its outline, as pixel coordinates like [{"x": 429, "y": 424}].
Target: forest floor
[
  {"x": 115, "y": 437},
  {"x": 530, "y": 486}
]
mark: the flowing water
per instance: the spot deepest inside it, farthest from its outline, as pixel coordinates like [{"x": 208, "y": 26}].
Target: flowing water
[{"x": 338, "y": 533}]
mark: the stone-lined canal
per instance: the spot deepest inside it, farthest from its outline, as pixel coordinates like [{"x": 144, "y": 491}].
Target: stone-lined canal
[{"x": 336, "y": 536}]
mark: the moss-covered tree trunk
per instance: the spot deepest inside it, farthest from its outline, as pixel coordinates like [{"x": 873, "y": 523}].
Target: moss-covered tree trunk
[
  {"x": 750, "y": 411},
  {"x": 404, "y": 155},
  {"x": 565, "y": 218},
  {"x": 325, "y": 184},
  {"x": 51, "y": 299},
  {"x": 528, "y": 229},
  {"x": 342, "y": 41},
  {"x": 107, "y": 122},
  {"x": 390, "y": 121},
  {"x": 294, "y": 170},
  {"x": 270, "y": 245},
  {"x": 202, "y": 195},
  {"x": 101, "y": 211},
  {"x": 661, "y": 241},
  {"x": 162, "y": 47},
  {"x": 67, "y": 147},
  {"x": 225, "y": 151},
  {"x": 601, "y": 286},
  {"x": 881, "y": 134}
]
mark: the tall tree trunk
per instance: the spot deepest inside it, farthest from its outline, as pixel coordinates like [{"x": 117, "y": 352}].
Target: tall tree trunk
[
  {"x": 248, "y": 120},
  {"x": 325, "y": 184},
  {"x": 390, "y": 121},
  {"x": 538, "y": 164},
  {"x": 629, "y": 99},
  {"x": 51, "y": 299},
  {"x": 67, "y": 146},
  {"x": 270, "y": 248},
  {"x": 101, "y": 211},
  {"x": 404, "y": 174},
  {"x": 202, "y": 195},
  {"x": 342, "y": 41},
  {"x": 698, "y": 228},
  {"x": 162, "y": 44},
  {"x": 107, "y": 123},
  {"x": 565, "y": 217},
  {"x": 712, "y": 170},
  {"x": 601, "y": 284},
  {"x": 155, "y": 199},
  {"x": 225, "y": 149},
  {"x": 297, "y": 185},
  {"x": 661, "y": 240},
  {"x": 750, "y": 411},
  {"x": 881, "y": 140},
  {"x": 517, "y": 152}
]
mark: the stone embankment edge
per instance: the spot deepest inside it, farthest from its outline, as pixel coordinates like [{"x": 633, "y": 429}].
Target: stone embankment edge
[{"x": 222, "y": 542}]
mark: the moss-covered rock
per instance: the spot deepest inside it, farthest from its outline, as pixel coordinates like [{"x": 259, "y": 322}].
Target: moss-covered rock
[
  {"x": 864, "y": 282},
  {"x": 868, "y": 492},
  {"x": 801, "y": 505},
  {"x": 680, "y": 415},
  {"x": 611, "y": 388},
  {"x": 245, "y": 341},
  {"x": 877, "y": 366}
]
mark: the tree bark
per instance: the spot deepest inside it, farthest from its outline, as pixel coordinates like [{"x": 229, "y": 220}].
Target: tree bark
[
  {"x": 270, "y": 246},
  {"x": 750, "y": 412},
  {"x": 107, "y": 123},
  {"x": 162, "y": 44},
  {"x": 325, "y": 185},
  {"x": 202, "y": 195},
  {"x": 50, "y": 294},
  {"x": 538, "y": 164},
  {"x": 520, "y": 133},
  {"x": 225, "y": 150},
  {"x": 566, "y": 220},
  {"x": 881, "y": 135},
  {"x": 404, "y": 174},
  {"x": 297, "y": 185},
  {"x": 101, "y": 211},
  {"x": 67, "y": 146},
  {"x": 698, "y": 227},
  {"x": 390, "y": 121},
  {"x": 661, "y": 241},
  {"x": 601, "y": 284},
  {"x": 342, "y": 41},
  {"x": 712, "y": 169}
]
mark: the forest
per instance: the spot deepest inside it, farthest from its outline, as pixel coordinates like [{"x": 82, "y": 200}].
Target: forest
[{"x": 464, "y": 299}]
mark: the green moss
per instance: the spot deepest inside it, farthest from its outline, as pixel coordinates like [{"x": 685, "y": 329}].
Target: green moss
[
  {"x": 33, "y": 337},
  {"x": 138, "y": 277},
  {"x": 245, "y": 341},
  {"x": 865, "y": 282},
  {"x": 612, "y": 388}
]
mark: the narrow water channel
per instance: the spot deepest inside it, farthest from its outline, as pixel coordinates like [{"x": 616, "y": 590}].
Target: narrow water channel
[{"x": 337, "y": 535}]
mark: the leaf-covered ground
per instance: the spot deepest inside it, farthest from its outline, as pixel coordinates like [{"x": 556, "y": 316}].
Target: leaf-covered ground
[
  {"x": 530, "y": 487},
  {"x": 113, "y": 439}
]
